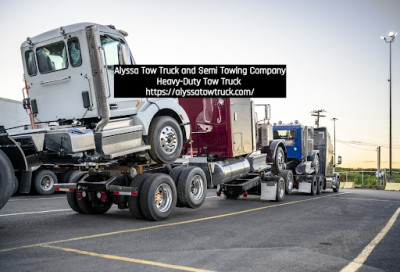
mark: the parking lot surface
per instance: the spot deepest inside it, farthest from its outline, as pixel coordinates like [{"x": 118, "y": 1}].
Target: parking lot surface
[{"x": 349, "y": 230}]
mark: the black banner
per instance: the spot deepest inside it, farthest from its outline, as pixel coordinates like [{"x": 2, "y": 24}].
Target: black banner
[{"x": 262, "y": 81}]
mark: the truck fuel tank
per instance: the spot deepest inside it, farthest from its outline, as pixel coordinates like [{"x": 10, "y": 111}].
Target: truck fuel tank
[{"x": 229, "y": 170}]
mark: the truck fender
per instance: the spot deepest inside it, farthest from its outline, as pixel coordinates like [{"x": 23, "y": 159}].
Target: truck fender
[
  {"x": 160, "y": 107},
  {"x": 272, "y": 148},
  {"x": 14, "y": 153},
  {"x": 312, "y": 156}
]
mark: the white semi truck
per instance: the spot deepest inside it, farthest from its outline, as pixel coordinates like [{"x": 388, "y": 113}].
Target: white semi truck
[{"x": 119, "y": 151}]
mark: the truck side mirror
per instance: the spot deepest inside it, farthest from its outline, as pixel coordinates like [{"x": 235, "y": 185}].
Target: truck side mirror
[{"x": 339, "y": 160}]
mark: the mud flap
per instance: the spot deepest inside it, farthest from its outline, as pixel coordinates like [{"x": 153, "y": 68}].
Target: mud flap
[
  {"x": 26, "y": 181},
  {"x": 304, "y": 187},
  {"x": 268, "y": 190}
]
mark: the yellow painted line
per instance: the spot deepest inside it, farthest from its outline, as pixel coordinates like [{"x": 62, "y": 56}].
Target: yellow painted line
[
  {"x": 34, "y": 198},
  {"x": 132, "y": 260},
  {"x": 362, "y": 257},
  {"x": 166, "y": 225}
]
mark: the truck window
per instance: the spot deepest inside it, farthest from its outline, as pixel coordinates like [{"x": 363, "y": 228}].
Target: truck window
[
  {"x": 111, "y": 50},
  {"x": 52, "y": 57},
  {"x": 30, "y": 63},
  {"x": 287, "y": 134},
  {"x": 74, "y": 50}
]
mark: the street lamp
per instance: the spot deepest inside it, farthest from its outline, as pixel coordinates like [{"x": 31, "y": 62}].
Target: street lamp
[
  {"x": 334, "y": 142},
  {"x": 392, "y": 36}
]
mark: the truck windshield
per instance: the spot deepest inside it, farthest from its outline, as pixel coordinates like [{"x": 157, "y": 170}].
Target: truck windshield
[
  {"x": 52, "y": 57},
  {"x": 286, "y": 134}
]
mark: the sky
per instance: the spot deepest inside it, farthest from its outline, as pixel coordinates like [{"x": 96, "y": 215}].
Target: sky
[{"x": 335, "y": 58}]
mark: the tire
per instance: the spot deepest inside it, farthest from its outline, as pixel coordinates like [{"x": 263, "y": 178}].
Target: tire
[
  {"x": 314, "y": 185},
  {"x": 6, "y": 178},
  {"x": 134, "y": 201},
  {"x": 280, "y": 190},
  {"x": 319, "y": 185},
  {"x": 175, "y": 174},
  {"x": 85, "y": 205},
  {"x": 336, "y": 190},
  {"x": 192, "y": 187},
  {"x": 43, "y": 181},
  {"x": 15, "y": 186},
  {"x": 279, "y": 163},
  {"x": 158, "y": 197},
  {"x": 66, "y": 177},
  {"x": 287, "y": 175},
  {"x": 73, "y": 177},
  {"x": 231, "y": 195},
  {"x": 93, "y": 207},
  {"x": 165, "y": 139}
]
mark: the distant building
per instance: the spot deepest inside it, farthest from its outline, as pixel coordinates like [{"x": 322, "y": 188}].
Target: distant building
[{"x": 12, "y": 114}]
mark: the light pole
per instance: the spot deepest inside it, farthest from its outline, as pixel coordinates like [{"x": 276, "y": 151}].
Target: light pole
[
  {"x": 392, "y": 36},
  {"x": 334, "y": 142}
]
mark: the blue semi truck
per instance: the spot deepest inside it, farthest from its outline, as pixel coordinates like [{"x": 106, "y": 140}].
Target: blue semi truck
[{"x": 310, "y": 158}]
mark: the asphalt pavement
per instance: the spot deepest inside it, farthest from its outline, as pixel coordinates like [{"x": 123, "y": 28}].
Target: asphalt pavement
[{"x": 352, "y": 229}]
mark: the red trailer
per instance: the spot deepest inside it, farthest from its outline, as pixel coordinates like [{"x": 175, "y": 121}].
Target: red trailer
[{"x": 235, "y": 150}]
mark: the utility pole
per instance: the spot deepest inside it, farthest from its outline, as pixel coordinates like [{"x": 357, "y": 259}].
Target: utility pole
[
  {"x": 334, "y": 142},
  {"x": 317, "y": 114}
]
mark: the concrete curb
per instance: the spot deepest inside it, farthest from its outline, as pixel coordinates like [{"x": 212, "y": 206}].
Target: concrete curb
[
  {"x": 346, "y": 185},
  {"x": 390, "y": 186}
]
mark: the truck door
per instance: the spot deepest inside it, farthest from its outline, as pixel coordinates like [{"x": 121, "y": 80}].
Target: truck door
[{"x": 116, "y": 52}]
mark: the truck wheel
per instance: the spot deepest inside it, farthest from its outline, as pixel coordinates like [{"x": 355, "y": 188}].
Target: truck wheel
[
  {"x": 192, "y": 187},
  {"x": 287, "y": 175},
  {"x": 44, "y": 181},
  {"x": 134, "y": 201},
  {"x": 337, "y": 182},
  {"x": 6, "y": 178},
  {"x": 90, "y": 207},
  {"x": 279, "y": 163},
  {"x": 314, "y": 185},
  {"x": 319, "y": 185},
  {"x": 73, "y": 177},
  {"x": 280, "y": 190},
  {"x": 165, "y": 138},
  {"x": 66, "y": 177},
  {"x": 336, "y": 190},
  {"x": 15, "y": 186},
  {"x": 231, "y": 195},
  {"x": 175, "y": 174},
  {"x": 158, "y": 197}
]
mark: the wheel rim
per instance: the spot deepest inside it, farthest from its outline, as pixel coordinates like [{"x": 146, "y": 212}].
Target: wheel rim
[
  {"x": 280, "y": 159},
  {"x": 290, "y": 185},
  {"x": 163, "y": 197},
  {"x": 47, "y": 183},
  {"x": 197, "y": 187},
  {"x": 168, "y": 139},
  {"x": 281, "y": 189}
]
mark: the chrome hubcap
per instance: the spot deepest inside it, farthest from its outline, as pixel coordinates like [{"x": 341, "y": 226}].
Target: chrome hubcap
[
  {"x": 281, "y": 189},
  {"x": 163, "y": 197},
  {"x": 168, "y": 139},
  {"x": 197, "y": 187}
]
